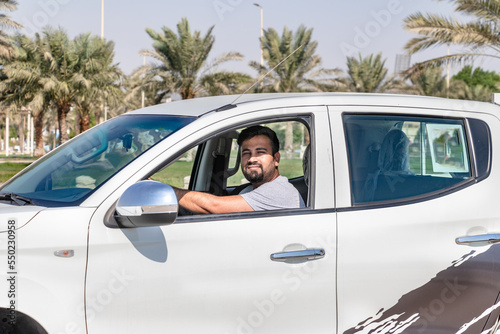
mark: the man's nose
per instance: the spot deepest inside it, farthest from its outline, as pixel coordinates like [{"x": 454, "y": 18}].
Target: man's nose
[{"x": 252, "y": 158}]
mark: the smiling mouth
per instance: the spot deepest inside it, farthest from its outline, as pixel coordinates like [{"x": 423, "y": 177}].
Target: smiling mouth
[{"x": 254, "y": 166}]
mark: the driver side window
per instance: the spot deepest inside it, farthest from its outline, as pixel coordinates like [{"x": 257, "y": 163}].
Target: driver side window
[
  {"x": 214, "y": 165},
  {"x": 178, "y": 173}
]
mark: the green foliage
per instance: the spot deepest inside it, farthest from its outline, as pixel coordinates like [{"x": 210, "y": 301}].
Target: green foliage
[
  {"x": 101, "y": 78},
  {"x": 430, "y": 82},
  {"x": 180, "y": 65},
  {"x": 478, "y": 77},
  {"x": 366, "y": 74},
  {"x": 6, "y": 48},
  {"x": 52, "y": 71},
  {"x": 369, "y": 75},
  {"x": 475, "y": 93},
  {"x": 301, "y": 71}
]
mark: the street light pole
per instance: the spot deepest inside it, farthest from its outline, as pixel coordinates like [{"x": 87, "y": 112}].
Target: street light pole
[
  {"x": 102, "y": 38},
  {"x": 261, "y": 32},
  {"x": 7, "y": 133},
  {"x": 261, "y": 38},
  {"x": 448, "y": 75},
  {"x": 102, "y": 19}
]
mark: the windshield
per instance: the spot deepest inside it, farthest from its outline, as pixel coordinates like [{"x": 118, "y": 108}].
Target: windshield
[{"x": 70, "y": 173}]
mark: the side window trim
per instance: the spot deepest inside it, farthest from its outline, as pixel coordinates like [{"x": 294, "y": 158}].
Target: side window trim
[{"x": 480, "y": 143}]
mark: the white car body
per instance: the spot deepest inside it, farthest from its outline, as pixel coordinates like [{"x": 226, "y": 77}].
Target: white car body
[{"x": 388, "y": 266}]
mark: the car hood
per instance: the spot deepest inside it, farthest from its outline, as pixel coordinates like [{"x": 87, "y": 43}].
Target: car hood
[{"x": 20, "y": 214}]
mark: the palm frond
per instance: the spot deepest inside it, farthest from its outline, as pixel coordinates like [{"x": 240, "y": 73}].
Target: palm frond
[
  {"x": 485, "y": 10},
  {"x": 453, "y": 59},
  {"x": 479, "y": 37}
]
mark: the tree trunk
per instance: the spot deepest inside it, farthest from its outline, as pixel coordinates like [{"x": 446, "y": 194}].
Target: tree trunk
[
  {"x": 98, "y": 115},
  {"x": 39, "y": 151},
  {"x": 84, "y": 122},
  {"x": 62, "y": 111}
]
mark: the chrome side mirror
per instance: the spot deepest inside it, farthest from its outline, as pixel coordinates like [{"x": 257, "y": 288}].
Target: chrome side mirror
[{"x": 147, "y": 203}]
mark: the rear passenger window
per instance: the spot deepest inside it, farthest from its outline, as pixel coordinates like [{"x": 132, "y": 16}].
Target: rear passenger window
[{"x": 395, "y": 157}]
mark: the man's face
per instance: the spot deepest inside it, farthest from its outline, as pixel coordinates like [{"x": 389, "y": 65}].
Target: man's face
[{"x": 258, "y": 163}]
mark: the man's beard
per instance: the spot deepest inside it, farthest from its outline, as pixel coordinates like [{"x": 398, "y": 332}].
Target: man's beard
[{"x": 254, "y": 176}]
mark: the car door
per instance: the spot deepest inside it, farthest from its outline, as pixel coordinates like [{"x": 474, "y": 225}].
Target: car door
[
  {"x": 406, "y": 256},
  {"x": 214, "y": 274}
]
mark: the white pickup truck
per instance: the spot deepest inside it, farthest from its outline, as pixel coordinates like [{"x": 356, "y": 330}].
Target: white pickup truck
[{"x": 399, "y": 233}]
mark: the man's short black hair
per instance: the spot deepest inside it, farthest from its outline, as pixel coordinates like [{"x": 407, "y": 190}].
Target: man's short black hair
[{"x": 258, "y": 130}]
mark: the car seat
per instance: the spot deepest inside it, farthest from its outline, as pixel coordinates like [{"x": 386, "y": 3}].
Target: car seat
[{"x": 392, "y": 165}]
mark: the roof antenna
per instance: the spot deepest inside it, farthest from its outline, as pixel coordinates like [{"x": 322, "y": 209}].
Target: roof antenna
[{"x": 265, "y": 75}]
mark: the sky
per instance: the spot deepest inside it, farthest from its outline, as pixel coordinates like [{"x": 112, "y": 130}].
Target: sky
[{"x": 341, "y": 27}]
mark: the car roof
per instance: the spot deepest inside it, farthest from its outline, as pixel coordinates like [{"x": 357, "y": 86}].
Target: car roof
[{"x": 200, "y": 106}]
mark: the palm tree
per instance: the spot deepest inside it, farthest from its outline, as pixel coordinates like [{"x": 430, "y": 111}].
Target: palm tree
[
  {"x": 136, "y": 91},
  {"x": 473, "y": 77},
  {"x": 78, "y": 69},
  {"x": 181, "y": 63},
  {"x": 301, "y": 71},
  {"x": 430, "y": 82},
  {"x": 62, "y": 82},
  {"x": 52, "y": 71},
  {"x": 479, "y": 37},
  {"x": 369, "y": 75},
  {"x": 224, "y": 83},
  {"x": 23, "y": 84},
  {"x": 6, "y": 48},
  {"x": 475, "y": 93},
  {"x": 101, "y": 78}
]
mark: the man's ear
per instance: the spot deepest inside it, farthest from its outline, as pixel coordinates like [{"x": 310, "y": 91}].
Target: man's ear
[{"x": 277, "y": 158}]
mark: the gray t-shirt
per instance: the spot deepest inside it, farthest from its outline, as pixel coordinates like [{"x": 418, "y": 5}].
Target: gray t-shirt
[{"x": 274, "y": 195}]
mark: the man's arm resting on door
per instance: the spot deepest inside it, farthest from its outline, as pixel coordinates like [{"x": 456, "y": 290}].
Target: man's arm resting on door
[{"x": 198, "y": 202}]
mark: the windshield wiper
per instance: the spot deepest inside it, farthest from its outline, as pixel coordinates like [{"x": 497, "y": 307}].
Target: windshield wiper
[{"x": 18, "y": 199}]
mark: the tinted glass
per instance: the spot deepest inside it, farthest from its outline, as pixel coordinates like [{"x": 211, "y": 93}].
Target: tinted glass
[
  {"x": 70, "y": 173},
  {"x": 393, "y": 157}
]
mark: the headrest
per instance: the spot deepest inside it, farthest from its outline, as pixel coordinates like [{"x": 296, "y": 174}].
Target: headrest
[
  {"x": 306, "y": 158},
  {"x": 393, "y": 155}
]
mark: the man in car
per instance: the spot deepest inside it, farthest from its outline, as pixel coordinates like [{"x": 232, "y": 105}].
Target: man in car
[{"x": 268, "y": 190}]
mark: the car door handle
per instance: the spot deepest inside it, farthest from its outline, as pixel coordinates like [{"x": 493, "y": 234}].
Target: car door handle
[
  {"x": 489, "y": 238},
  {"x": 299, "y": 255}
]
